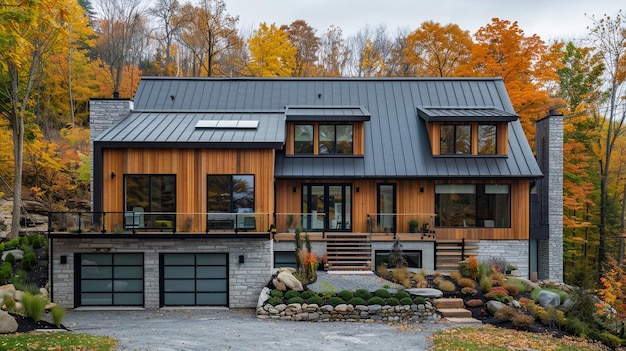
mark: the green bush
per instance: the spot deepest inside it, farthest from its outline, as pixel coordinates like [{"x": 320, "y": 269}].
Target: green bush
[
  {"x": 31, "y": 287},
  {"x": 295, "y": 299},
  {"x": 291, "y": 294},
  {"x": 335, "y": 300},
  {"x": 346, "y": 295},
  {"x": 356, "y": 301},
  {"x": 392, "y": 301},
  {"x": 376, "y": 300},
  {"x": 521, "y": 286},
  {"x": 418, "y": 300},
  {"x": 363, "y": 293},
  {"x": 58, "y": 313},
  {"x": 486, "y": 283},
  {"x": 275, "y": 301},
  {"x": 307, "y": 294},
  {"x": 36, "y": 241},
  {"x": 578, "y": 327},
  {"x": 19, "y": 277},
  {"x": 464, "y": 269},
  {"x": 276, "y": 293},
  {"x": 29, "y": 261},
  {"x": 6, "y": 271},
  {"x": 402, "y": 294},
  {"x": 610, "y": 340},
  {"x": 446, "y": 285},
  {"x": 327, "y": 290},
  {"x": 10, "y": 258},
  {"x": 406, "y": 301},
  {"x": 34, "y": 305},
  {"x": 24, "y": 241},
  {"x": 383, "y": 293},
  {"x": 9, "y": 303},
  {"x": 11, "y": 244},
  {"x": 315, "y": 300}
]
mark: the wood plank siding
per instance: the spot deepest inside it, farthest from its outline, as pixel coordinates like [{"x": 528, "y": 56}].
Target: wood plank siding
[
  {"x": 191, "y": 167},
  {"x": 412, "y": 197}
]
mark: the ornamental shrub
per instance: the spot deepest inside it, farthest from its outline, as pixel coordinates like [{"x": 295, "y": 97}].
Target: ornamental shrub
[
  {"x": 522, "y": 320},
  {"x": 419, "y": 300},
  {"x": 511, "y": 288},
  {"x": 474, "y": 303},
  {"x": 473, "y": 267},
  {"x": 334, "y": 301},
  {"x": 276, "y": 293},
  {"x": 34, "y": 305},
  {"x": 486, "y": 283},
  {"x": 58, "y": 313},
  {"x": 446, "y": 285},
  {"x": 307, "y": 294},
  {"x": 6, "y": 270},
  {"x": 406, "y": 301},
  {"x": 467, "y": 283},
  {"x": 609, "y": 339},
  {"x": 315, "y": 300},
  {"x": 392, "y": 301},
  {"x": 275, "y": 301},
  {"x": 363, "y": 293},
  {"x": 402, "y": 294},
  {"x": 356, "y": 301},
  {"x": 29, "y": 260},
  {"x": 346, "y": 295},
  {"x": 291, "y": 294},
  {"x": 468, "y": 291},
  {"x": 10, "y": 258},
  {"x": 376, "y": 300},
  {"x": 295, "y": 299},
  {"x": 455, "y": 275},
  {"x": 383, "y": 293}
]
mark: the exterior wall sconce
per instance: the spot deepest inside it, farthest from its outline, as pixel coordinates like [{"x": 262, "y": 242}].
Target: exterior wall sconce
[
  {"x": 241, "y": 259},
  {"x": 358, "y": 189},
  {"x": 112, "y": 175},
  {"x": 293, "y": 189}
]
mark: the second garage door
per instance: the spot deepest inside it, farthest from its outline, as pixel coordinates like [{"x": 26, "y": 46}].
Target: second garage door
[{"x": 194, "y": 279}]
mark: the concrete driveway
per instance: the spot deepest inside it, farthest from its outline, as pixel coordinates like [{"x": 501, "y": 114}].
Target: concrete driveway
[{"x": 222, "y": 329}]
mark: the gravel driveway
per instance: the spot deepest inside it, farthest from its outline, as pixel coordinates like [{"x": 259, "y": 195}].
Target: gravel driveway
[{"x": 222, "y": 329}]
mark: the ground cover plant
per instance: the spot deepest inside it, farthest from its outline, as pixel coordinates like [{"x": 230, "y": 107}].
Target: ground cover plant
[{"x": 57, "y": 342}]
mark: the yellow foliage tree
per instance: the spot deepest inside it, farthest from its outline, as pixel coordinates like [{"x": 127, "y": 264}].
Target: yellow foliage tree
[{"x": 271, "y": 53}]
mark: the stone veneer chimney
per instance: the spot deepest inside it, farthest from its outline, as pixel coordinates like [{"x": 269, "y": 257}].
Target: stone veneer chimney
[
  {"x": 103, "y": 114},
  {"x": 549, "y": 149}
]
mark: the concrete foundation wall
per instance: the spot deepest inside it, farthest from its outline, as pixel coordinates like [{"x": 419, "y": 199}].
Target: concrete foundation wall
[{"x": 244, "y": 283}]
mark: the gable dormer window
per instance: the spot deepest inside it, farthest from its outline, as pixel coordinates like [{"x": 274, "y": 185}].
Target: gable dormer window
[{"x": 456, "y": 139}]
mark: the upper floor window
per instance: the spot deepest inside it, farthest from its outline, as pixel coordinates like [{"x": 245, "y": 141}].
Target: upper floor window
[
  {"x": 323, "y": 139},
  {"x": 230, "y": 193},
  {"x": 456, "y": 139},
  {"x": 468, "y": 139},
  {"x": 148, "y": 197}
]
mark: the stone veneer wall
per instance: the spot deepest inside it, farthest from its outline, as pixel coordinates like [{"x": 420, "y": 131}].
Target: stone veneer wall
[
  {"x": 549, "y": 145},
  {"x": 514, "y": 252},
  {"x": 244, "y": 284},
  {"x": 349, "y": 313},
  {"x": 103, "y": 114}
]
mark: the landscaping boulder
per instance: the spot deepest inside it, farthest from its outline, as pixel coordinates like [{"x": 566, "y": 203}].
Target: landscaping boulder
[
  {"x": 548, "y": 299},
  {"x": 8, "y": 289},
  {"x": 287, "y": 269},
  {"x": 494, "y": 306},
  {"x": 8, "y": 324},
  {"x": 17, "y": 296},
  {"x": 425, "y": 292},
  {"x": 17, "y": 253},
  {"x": 290, "y": 281},
  {"x": 279, "y": 286},
  {"x": 264, "y": 296}
]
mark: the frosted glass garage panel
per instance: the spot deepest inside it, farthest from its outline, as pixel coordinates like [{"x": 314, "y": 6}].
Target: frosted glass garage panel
[
  {"x": 179, "y": 272},
  {"x": 96, "y": 272},
  {"x": 178, "y": 259},
  {"x": 129, "y": 259},
  {"x": 128, "y": 298},
  {"x": 179, "y": 299},
  {"x": 212, "y": 299},
  {"x": 211, "y": 272},
  {"x": 211, "y": 259},
  {"x": 96, "y": 259},
  {"x": 179, "y": 285},
  {"x": 95, "y": 286},
  {"x": 95, "y": 299},
  {"x": 129, "y": 272},
  {"x": 211, "y": 285}
]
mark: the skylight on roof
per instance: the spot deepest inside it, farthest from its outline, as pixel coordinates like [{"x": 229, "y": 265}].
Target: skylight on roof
[{"x": 227, "y": 124}]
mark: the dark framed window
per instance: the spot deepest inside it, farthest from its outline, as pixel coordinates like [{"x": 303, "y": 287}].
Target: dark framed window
[
  {"x": 148, "y": 200},
  {"x": 386, "y": 208},
  {"x": 335, "y": 139},
  {"x": 230, "y": 193},
  {"x": 473, "y": 205},
  {"x": 303, "y": 139},
  {"x": 487, "y": 139},
  {"x": 456, "y": 139}
]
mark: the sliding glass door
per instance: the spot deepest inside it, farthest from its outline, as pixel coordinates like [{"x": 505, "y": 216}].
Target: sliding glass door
[{"x": 327, "y": 207}]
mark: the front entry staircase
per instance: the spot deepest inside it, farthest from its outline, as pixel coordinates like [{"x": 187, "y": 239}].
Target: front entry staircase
[
  {"x": 348, "y": 252},
  {"x": 449, "y": 253}
]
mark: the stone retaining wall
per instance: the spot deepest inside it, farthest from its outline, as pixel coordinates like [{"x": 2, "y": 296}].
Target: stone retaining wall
[{"x": 349, "y": 313}]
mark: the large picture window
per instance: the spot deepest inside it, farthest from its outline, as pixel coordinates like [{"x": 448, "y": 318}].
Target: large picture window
[
  {"x": 303, "y": 139},
  {"x": 148, "y": 200},
  {"x": 335, "y": 139},
  {"x": 230, "y": 193},
  {"x": 473, "y": 205}
]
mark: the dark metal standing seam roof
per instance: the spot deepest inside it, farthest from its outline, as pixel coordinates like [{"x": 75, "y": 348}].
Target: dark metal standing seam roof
[{"x": 396, "y": 139}]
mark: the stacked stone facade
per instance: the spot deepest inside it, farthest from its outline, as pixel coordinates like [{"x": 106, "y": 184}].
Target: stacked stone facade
[
  {"x": 245, "y": 280},
  {"x": 513, "y": 252}
]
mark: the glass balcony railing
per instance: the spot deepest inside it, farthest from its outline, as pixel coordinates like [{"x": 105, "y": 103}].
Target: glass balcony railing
[{"x": 392, "y": 223}]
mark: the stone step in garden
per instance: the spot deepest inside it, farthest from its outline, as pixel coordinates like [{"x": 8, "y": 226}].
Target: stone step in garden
[
  {"x": 455, "y": 313},
  {"x": 448, "y": 303},
  {"x": 460, "y": 320}
]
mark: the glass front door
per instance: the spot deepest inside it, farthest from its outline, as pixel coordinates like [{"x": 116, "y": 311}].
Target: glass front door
[
  {"x": 386, "y": 217},
  {"x": 327, "y": 207}
]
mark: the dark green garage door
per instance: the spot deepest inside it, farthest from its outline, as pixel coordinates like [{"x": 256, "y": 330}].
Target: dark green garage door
[
  {"x": 109, "y": 279},
  {"x": 199, "y": 279}
]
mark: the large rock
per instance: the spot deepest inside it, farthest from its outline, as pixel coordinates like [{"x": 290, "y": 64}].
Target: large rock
[
  {"x": 8, "y": 289},
  {"x": 290, "y": 281},
  {"x": 548, "y": 299},
  {"x": 287, "y": 269},
  {"x": 17, "y": 253},
  {"x": 494, "y": 306},
  {"x": 8, "y": 324},
  {"x": 263, "y": 296},
  {"x": 425, "y": 292}
]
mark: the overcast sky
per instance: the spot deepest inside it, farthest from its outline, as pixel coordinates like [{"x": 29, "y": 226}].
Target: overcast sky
[{"x": 550, "y": 19}]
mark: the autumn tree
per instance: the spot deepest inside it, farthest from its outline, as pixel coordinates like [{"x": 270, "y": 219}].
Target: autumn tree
[
  {"x": 303, "y": 38},
  {"x": 370, "y": 50},
  {"x": 525, "y": 63},
  {"x": 271, "y": 53},
  {"x": 333, "y": 54},
  {"x": 207, "y": 31},
  {"x": 121, "y": 34},
  {"x": 435, "y": 50},
  {"x": 165, "y": 12},
  {"x": 397, "y": 65},
  {"x": 29, "y": 33},
  {"x": 608, "y": 36}
]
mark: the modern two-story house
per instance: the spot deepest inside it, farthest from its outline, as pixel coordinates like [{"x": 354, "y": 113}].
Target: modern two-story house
[{"x": 199, "y": 183}]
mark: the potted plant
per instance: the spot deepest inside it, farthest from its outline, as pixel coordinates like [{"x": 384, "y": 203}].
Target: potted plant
[
  {"x": 289, "y": 221},
  {"x": 413, "y": 224},
  {"x": 510, "y": 268}
]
